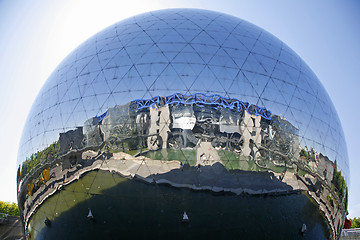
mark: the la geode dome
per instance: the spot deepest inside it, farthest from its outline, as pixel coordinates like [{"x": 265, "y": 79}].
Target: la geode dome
[
  {"x": 186, "y": 51},
  {"x": 196, "y": 57}
]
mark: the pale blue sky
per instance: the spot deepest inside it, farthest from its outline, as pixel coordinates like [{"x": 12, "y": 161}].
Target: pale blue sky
[{"x": 36, "y": 35}]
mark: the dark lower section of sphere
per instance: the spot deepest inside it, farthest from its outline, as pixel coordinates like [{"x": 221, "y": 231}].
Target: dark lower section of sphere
[{"x": 132, "y": 209}]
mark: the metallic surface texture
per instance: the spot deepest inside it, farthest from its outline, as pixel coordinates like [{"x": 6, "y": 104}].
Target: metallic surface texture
[{"x": 205, "y": 106}]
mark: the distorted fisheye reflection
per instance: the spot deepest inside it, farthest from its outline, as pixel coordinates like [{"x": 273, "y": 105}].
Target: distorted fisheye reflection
[{"x": 183, "y": 123}]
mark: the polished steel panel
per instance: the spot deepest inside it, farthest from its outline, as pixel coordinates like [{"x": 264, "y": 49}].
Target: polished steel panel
[{"x": 169, "y": 95}]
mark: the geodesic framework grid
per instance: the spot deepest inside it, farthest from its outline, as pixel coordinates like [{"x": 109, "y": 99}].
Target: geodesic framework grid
[
  {"x": 189, "y": 98},
  {"x": 166, "y": 52}
]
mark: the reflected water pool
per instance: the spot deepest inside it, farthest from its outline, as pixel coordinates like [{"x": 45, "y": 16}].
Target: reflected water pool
[{"x": 138, "y": 210}]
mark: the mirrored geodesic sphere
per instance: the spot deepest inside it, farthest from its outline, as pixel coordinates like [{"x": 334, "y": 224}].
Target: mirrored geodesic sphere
[{"x": 184, "y": 100}]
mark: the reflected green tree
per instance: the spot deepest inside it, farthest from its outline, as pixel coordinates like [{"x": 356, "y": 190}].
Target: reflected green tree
[
  {"x": 43, "y": 156},
  {"x": 339, "y": 182},
  {"x": 309, "y": 155}
]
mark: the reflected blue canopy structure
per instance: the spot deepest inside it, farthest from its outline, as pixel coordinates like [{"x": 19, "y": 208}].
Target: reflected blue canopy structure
[
  {"x": 189, "y": 87},
  {"x": 200, "y": 99}
]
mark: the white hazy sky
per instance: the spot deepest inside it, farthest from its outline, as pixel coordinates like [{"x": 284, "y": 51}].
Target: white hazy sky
[{"x": 35, "y": 35}]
